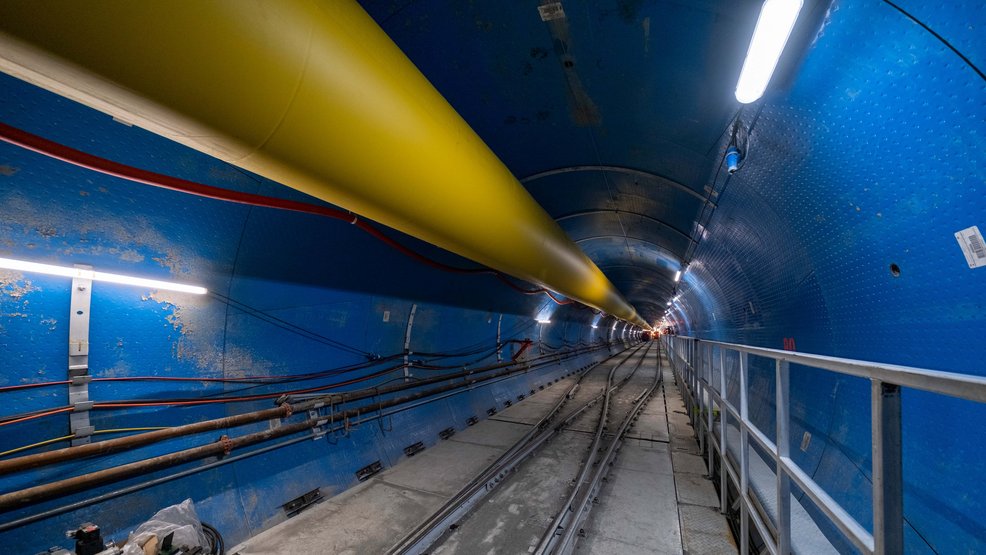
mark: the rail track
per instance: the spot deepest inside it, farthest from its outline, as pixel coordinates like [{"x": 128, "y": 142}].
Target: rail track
[{"x": 620, "y": 396}]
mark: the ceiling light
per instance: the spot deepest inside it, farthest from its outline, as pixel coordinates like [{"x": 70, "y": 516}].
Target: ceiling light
[
  {"x": 777, "y": 18},
  {"x": 543, "y": 320},
  {"x": 677, "y": 276},
  {"x": 24, "y": 266}
]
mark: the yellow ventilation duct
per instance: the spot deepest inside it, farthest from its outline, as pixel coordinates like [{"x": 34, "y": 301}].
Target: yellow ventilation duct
[{"x": 311, "y": 94}]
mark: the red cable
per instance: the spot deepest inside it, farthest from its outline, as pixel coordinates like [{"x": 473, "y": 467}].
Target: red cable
[
  {"x": 273, "y": 379},
  {"x": 118, "y": 405},
  {"x": 32, "y": 385},
  {"x": 525, "y": 344},
  {"x": 39, "y": 415},
  {"x": 82, "y": 159},
  {"x": 566, "y": 301},
  {"x": 245, "y": 398},
  {"x": 98, "y": 164}
]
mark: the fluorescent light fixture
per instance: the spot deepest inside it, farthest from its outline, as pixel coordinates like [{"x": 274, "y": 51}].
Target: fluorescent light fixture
[
  {"x": 677, "y": 276},
  {"x": 543, "y": 320},
  {"x": 595, "y": 326},
  {"x": 24, "y": 266},
  {"x": 777, "y": 18},
  {"x": 669, "y": 303}
]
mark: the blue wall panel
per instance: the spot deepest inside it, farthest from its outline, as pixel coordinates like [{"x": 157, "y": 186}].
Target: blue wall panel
[
  {"x": 869, "y": 154},
  {"x": 290, "y": 294},
  {"x": 872, "y": 158}
]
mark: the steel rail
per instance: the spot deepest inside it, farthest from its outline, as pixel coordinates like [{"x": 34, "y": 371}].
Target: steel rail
[
  {"x": 564, "y": 514},
  {"x": 455, "y": 509},
  {"x": 552, "y": 542}
]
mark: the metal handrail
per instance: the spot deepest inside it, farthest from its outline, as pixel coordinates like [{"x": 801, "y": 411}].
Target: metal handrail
[
  {"x": 953, "y": 384},
  {"x": 693, "y": 361}
]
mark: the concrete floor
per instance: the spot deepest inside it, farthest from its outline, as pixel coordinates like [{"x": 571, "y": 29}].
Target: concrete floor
[
  {"x": 703, "y": 529},
  {"x": 656, "y": 500}
]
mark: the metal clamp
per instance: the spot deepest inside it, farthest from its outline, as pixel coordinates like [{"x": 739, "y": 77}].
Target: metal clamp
[
  {"x": 227, "y": 444},
  {"x": 78, "y": 359},
  {"x": 318, "y": 432}
]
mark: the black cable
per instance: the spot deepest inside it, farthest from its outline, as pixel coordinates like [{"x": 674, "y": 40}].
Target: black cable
[
  {"x": 217, "y": 545},
  {"x": 290, "y": 327},
  {"x": 517, "y": 328},
  {"x": 704, "y": 219},
  {"x": 238, "y": 392},
  {"x": 939, "y": 37}
]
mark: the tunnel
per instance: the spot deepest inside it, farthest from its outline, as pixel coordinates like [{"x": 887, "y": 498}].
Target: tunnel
[{"x": 342, "y": 276}]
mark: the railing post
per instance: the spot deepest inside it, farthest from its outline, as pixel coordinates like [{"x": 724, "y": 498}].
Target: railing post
[
  {"x": 723, "y": 475},
  {"x": 888, "y": 473},
  {"x": 691, "y": 380},
  {"x": 783, "y": 451},
  {"x": 697, "y": 390},
  {"x": 708, "y": 364},
  {"x": 744, "y": 457},
  {"x": 709, "y": 427}
]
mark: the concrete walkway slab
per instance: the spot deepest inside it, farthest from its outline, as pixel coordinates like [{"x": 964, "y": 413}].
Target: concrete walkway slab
[
  {"x": 705, "y": 531},
  {"x": 494, "y": 433},
  {"x": 360, "y": 520},
  {"x": 418, "y": 471},
  {"x": 514, "y": 519},
  {"x": 638, "y": 509},
  {"x": 656, "y": 499}
]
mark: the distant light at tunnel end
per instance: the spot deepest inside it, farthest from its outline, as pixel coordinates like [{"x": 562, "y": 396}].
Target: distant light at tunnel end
[
  {"x": 774, "y": 26},
  {"x": 64, "y": 271}
]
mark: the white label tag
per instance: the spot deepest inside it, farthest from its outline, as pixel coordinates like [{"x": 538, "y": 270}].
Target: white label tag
[
  {"x": 973, "y": 246},
  {"x": 551, "y": 11}
]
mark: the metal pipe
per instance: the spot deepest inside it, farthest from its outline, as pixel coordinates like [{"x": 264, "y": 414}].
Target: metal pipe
[
  {"x": 227, "y": 460},
  {"x": 310, "y": 94},
  {"x": 782, "y": 450},
  {"x": 963, "y": 386},
  {"x": 222, "y": 447},
  {"x": 888, "y": 468},
  {"x": 35, "y": 517},
  {"x": 107, "y": 447},
  {"x": 751, "y": 508},
  {"x": 744, "y": 455}
]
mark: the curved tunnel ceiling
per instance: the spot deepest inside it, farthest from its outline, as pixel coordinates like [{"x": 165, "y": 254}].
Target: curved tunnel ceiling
[{"x": 581, "y": 110}]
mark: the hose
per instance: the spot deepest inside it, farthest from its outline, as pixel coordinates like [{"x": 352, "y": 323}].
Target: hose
[
  {"x": 216, "y": 544},
  {"x": 82, "y": 159}
]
